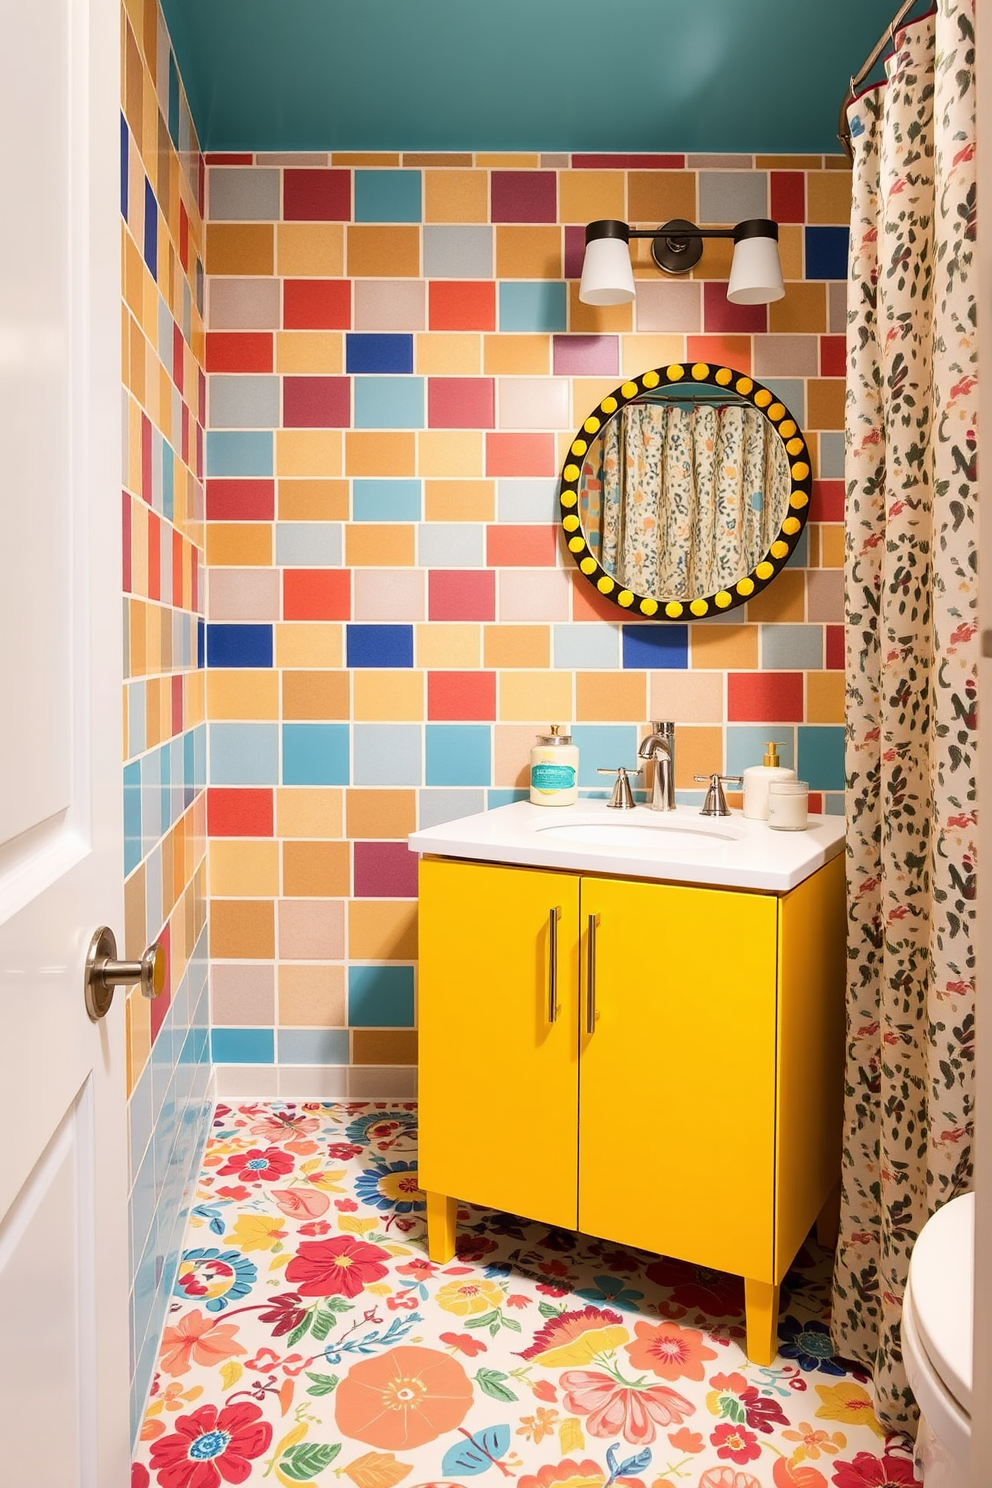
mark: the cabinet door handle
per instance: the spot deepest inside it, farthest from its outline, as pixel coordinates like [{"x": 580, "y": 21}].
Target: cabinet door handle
[
  {"x": 591, "y": 975},
  {"x": 554, "y": 916}
]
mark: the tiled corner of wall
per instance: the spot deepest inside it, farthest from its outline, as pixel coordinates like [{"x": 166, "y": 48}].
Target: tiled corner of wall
[
  {"x": 164, "y": 393},
  {"x": 397, "y": 356}
]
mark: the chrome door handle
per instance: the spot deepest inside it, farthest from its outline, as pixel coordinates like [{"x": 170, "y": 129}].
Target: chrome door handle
[
  {"x": 554, "y": 916},
  {"x": 591, "y": 975},
  {"x": 104, "y": 972}
]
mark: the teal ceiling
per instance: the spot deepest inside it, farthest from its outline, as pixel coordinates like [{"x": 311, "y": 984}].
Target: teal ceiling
[{"x": 551, "y": 75}]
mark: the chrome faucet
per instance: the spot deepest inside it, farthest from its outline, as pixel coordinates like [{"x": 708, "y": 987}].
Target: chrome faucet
[{"x": 660, "y": 747}]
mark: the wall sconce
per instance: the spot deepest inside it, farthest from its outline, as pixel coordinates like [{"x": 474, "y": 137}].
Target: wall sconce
[{"x": 755, "y": 275}]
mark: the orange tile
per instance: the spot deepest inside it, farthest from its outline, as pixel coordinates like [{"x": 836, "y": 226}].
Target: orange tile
[
  {"x": 784, "y": 599},
  {"x": 825, "y": 400},
  {"x": 138, "y": 1016},
  {"x": 803, "y": 310},
  {"x": 312, "y": 997},
  {"x": 442, "y": 160},
  {"x": 448, "y": 647},
  {"x": 828, "y": 197},
  {"x": 135, "y": 922},
  {"x": 813, "y": 544},
  {"x": 686, "y": 697},
  {"x": 308, "y": 643},
  {"x": 314, "y": 500},
  {"x": 718, "y": 256},
  {"x": 243, "y": 868},
  {"x": 308, "y": 452},
  {"x": 315, "y": 695},
  {"x": 384, "y": 1046},
  {"x": 506, "y": 161},
  {"x": 587, "y": 195},
  {"x": 308, "y": 811},
  {"x": 239, "y": 544},
  {"x": 366, "y": 158},
  {"x": 382, "y": 930},
  {"x": 597, "y": 319},
  {"x": 456, "y": 196},
  {"x": 517, "y": 646},
  {"x": 700, "y": 752},
  {"x": 535, "y": 695},
  {"x": 656, "y": 197},
  {"x": 242, "y": 694},
  {"x": 831, "y": 545},
  {"x": 788, "y": 162},
  {"x": 380, "y": 545},
  {"x": 516, "y": 356},
  {"x": 368, "y": 452},
  {"x": 641, "y": 353},
  {"x": 381, "y": 813},
  {"x": 723, "y": 351},
  {"x": 310, "y": 250},
  {"x": 242, "y": 929},
  {"x": 825, "y": 697},
  {"x": 528, "y": 252},
  {"x": 450, "y": 452},
  {"x": 724, "y": 648},
  {"x": 610, "y": 697},
  {"x": 316, "y": 870},
  {"x": 587, "y": 394},
  {"x": 244, "y": 248},
  {"x": 388, "y": 697},
  {"x": 459, "y": 501},
  {"x": 309, "y": 351},
  {"x": 391, "y": 252},
  {"x": 791, "y": 251},
  {"x": 589, "y": 604},
  {"x": 448, "y": 353}
]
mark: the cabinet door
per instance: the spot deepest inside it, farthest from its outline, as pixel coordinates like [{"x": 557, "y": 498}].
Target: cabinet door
[
  {"x": 677, "y": 1079},
  {"x": 498, "y": 1072}
]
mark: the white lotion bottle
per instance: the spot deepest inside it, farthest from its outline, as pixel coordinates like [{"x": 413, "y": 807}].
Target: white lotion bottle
[
  {"x": 554, "y": 769},
  {"x": 757, "y": 779}
]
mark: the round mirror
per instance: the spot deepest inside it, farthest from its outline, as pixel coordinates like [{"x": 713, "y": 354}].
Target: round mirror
[{"x": 685, "y": 491}]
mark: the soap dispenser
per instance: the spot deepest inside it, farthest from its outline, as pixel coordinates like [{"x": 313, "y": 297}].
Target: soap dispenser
[
  {"x": 757, "y": 779},
  {"x": 554, "y": 769}
]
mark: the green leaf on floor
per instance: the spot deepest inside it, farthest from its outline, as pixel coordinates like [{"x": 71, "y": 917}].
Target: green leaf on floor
[
  {"x": 323, "y": 1384},
  {"x": 305, "y": 1461},
  {"x": 490, "y": 1382}
]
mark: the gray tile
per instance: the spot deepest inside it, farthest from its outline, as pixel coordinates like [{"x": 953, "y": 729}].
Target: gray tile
[
  {"x": 831, "y": 462},
  {"x": 382, "y": 1081},
  {"x": 720, "y": 162},
  {"x": 239, "y": 402},
  {"x": 669, "y": 307},
  {"x": 732, "y": 196},
  {"x": 450, "y": 545},
  {"x": 791, "y": 392},
  {"x": 313, "y": 1082},
  {"x": 786, "y": 356},
  {"x": 555, "y": 162},
  {"x": 299, "y": 160},
  {"x": 438, "y": 806},
  {"x": 313, "y": 1046},
  {"x": 586, "y": 647},
  {"x": 791, "y": 648},
  {"x": 458, "y": 252},
  {"x": 799, "y": 557},
  {"x": 240, "y": 193},
  {"x": 527, "y": 500},
  {"x": 388, "y": 754},
  {"x": 389, "y": 305},
  {"x": 308, "y": 544},
  {"x": 837, "y": 308},
  {"x": 825, "y": 595},
  {"x": 244, "y": 304}
]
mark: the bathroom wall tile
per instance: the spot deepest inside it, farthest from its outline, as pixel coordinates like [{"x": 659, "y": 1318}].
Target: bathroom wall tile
[
  {"x": 699, "y": 752},
  {"x": 825, "y": 595},
  {"x": 596, "y": 320},
  {"x": 380, "y": 645},
  {"x": 242, "y": 995},
  {"x": 382, "y": 930},
  {"x": 239, "y": 453},
  {"x": 315, "y": 695},
  {"x": 310, "y": 930},
  {"x": 312, "y": 996},
  {"x": 381, "y": 813},
  {"x": 724, "y": 350},
  {"x": 832, "y": 546},
  {"x": 315, "y": 754},
  {"x": 380, "y": 454},
  {"x": 387, "y": 500},
  {"x": 827, "y": 252},
  {"x": 825, "y": 403},
  {"x": 461, "y": 595},
  {"x": 533, "y": 595},
  {"x": 449, "y": 545},
  {"x": 309, "y": 645},
  {"x": 746, "y": 746},
  {"x": 532, "y": 306},
  {"x": 317, "y": 195},
  {"x": 384, "y": 1046},
  {"x": 242, "y": 1046},
  {"x": 641, "y": 352},
  {"x": 462, "y": 305},
  {"x": 244, "y": 869},
  {"x": 450, "y": 452},
  {"x": 316, "y": 304},
  {"x": 244, "y": 304},
  {"x": 686, "y": 697},
  {"x": 308, "y": 812},
  {"x": 783, "y": 601},
  {"x": 378, "y": 352},
  {"x": 776, "y": 697},
  {"x": 459, "y": 501},
  {"x": 449, "y": 645},
  {"x": 389, "y": 594},
  {"x": 371, "y": 543},
  {"x": 732, "y": 196},
  {"x": 834, "y": 648},
  {"x": 387, "y": 196},
  {"x": 532, "y": 545},
  {"x": 587, "y": 195},
  {"x": 242, "y": 929},
  {"x": 239, "y": 195},
  {"x": 460, "y": 402},
  {"x": 825, "y": 697},
  {"x": 821, "y": 757},
  {"x": 385, "y": 870},
  {"x": 528, "y": 253},
  {"x": 389, "y": 402},
  {"x": 452, "y": 195},
  {"x": 527, "y": 501},
  {"x": 583, "y": 356},
  {"x": 239, "y": 351},
  {"x": 380, "y": 996},
  {"x": 241, "y": 249},
  {"x": 461, "y": 696},
  {"x": 389, "y": 305},
  {"x": 675, "y": 307},
  {"x": 785, "y": 647},
  {"x": 582, "y": 646},
  {"x": 512, "y": 743},
  {"x": 383, "y": 252},
  {"x": 388, "y": 754},
  {"x": 312, "y": 1046},
  {"x": 523, "y": 196},
  {"x": 244, "y": 753},
  {"x": 438, "y": 806},
  {"x": 721, "y": 317},
  {"x": 381, "y": 1082},
  {"x": 803, "y": 310},
  {"x": 244, "y": 594},
  {"x": 655, "y": 646},
  {"x": 517, "y": 355},
  {"x": 239, "y": 812},
  {"x": 388, "y": 696},
  {"x": 457, "y": 754},
  {"x": 786, "y": 356},
  {"x": 316, "y": 402},
  {"x": 315, "y": 594},
  {"x": 603, "y": 744},
  {"x": 534, "y": 695},
  {"x": 244, "y": 500},
  {"x": 309, "y": 544},
  {"x": 603, "y": 696},
  {"x": 312, "y": 870},
  {"x": 458, "y": 252},
  {"x": 833, "y": 356},
  {"x": 533, "y": 403},
  {"x": 310, "y": 250},
  {"x": 788, "y": 195}
]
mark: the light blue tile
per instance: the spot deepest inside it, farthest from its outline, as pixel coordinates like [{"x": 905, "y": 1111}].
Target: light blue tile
[
  {"x": 389, "y": 402},
  {"x": 308, "y": 544},
  {"x": 458, "y": 252},
  {"x": 532, "y": 306},
  {"x": 139, "y": 1119},
  {"x": 504, "y": 796},
  {"x": 821, "y": 756},
  {"x": 243, "y": 402},
  {"x": 313, "y": 1046},
  {"x": 388, "y": 754},
  {"x": 831, "y": 462},
  {"x": 244, "y": 753},
  {"x": 834, "y": 805},
  {"x": 604, "y": 744},
  {"x": 438, "y": 806},
  {"x": 380, "y": 996},
  {"x": 746, "y": 744},
  {"x": 387, "y": 196},
  {"x": 387, "y": 501},
  {"x": 239, "y": 453},
  {"x": 792, "y": 648},
  {"x": 451, "y": 545},
  {"x": 458, "y": 754},
  {"x": 315, "y": 754},
  {"x": 527, "y": 500},
  {"x": 586, "y": 647},
  {"x": 243, "y": 1045}
]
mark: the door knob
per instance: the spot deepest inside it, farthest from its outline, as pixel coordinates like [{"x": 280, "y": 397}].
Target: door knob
[{"x": 104, "y": 972}]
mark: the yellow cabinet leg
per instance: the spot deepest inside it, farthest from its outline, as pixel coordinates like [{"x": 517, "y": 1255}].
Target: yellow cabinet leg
[
  {"x": 761, "y": 1305},
  {"x": 828, "y": 1220},
  {"x": 441, "y": 1216}
]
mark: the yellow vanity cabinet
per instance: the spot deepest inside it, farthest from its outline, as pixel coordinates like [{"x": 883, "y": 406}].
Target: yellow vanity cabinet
[{"x": 685, "y": 1098}]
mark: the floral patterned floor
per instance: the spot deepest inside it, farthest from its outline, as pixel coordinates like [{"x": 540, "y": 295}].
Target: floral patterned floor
[{"x": 311, "y": 1339}]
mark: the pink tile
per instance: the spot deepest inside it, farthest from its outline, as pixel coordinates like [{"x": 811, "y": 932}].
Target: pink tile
[
  {"x": 533, "y": 594},
  {"x": 460, "y": 402},
  {"x": 316, "y": 402},
  {"x": 521, "y": 454},
  {"x": 243, "y": 594},
  {"x": 533, "y": 403},
  {"x": 587, "y": 356},
  {"x": 311, "y": 929},
  {"x": 389, "y": 593},
  {"x": 385, "y": 870},
  {"x": 524, "y": 196},
  {"x": 389, "y": 305},
  {"x": 462, "y": 594},
  {"x": 720, "y": 316},
  {"x": 575, "y": 251}
]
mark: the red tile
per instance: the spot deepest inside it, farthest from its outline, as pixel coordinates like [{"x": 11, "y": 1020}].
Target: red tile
[
  {"x": 524, "y": 196},
  {"x": 154, "y": 556},
  {"x": 316, "y": 304},
  {"x": 461, "y": 594},
  {"x": 529, "y": 545},
  {"x": 461, "y": 403},
  {"x": 458, "y": 696},
  {"x": 241, "y": 500},
  {"x": 723, "y": 351},
  {"x": 228, "y": 159},
  {"x": 239, "y": 351},
  {"x": 177, "y": 705},
  {"x": 835, "y": 648},
  {"x": 462, "y": 305},
  {"x": 521, "y": 454},
  {"x": 126, "y": 541},
  {"x": 316, "y": 402},
  {"x": 788, "y": 196},
  {"x": 316, "y": 594},
  {"x": 178, "y": 355},
  {"x": 720, "y": 316},
  {"x": 240, "y": 812},
  {"x": 316, "y": 195},
  {"x": 827, "y": 503},
  {"x": 628, "y": 162},
  {"x": 385, "y": 870},
  {"x": 159, "y": 1006},
  {"x": 833, "y": 356},
  {"x": 815, "y": 803},
  {"x": 177, "y": 569},
  {"x": 765, "y": 697}
]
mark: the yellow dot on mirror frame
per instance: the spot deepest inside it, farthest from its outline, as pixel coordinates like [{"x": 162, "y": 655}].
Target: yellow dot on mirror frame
[
  {"x": 609, "y": 405},
  {"x": 591, "y": 425},
  {"x": 724, "y": 376},
  {"x": 794, "y": 446},
  {"x": 675, "y": 371},
  {"x": 579, "y": 447},
  {"x": 800, "y": 470},
  {"x": 625, "y": 598},
  {"x": 798, "y": 500},
  {"x": 762, "y": 397},
  {"x": 568, "y": 498},
  {"x": 650, "y": 379},
  {"x": 570, "y": 473},
  {"x": 765, "y": 570},
  {"x": 629, "y": 390},
  {"x": 673, "y": 610},
  {"x": 570, "y": 523},
  {"x": 744, "y": 385},
  {"x": 791, "y": 525},
  {"x": 605, "y": 584},
  {"x": 723, "y": 599},
  {"x": 576, "y": 544},
  {"x": 700, "y": 371},
  {"x": 787, "y": 429},
  {"x": 588, "y": 565},
  {"x": 699, "y": 606},
  {"x": 649, "y": 606},
  {"x": 777, "y": 549},
  {"x": 745, "y": 586},
  {"x": 776, "y": 412}
]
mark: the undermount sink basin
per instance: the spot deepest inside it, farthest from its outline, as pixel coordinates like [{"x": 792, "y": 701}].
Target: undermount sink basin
[{"x": 641, "y": 835}]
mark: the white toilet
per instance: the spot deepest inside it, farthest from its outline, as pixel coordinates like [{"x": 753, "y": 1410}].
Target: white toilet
[{"x": 936, "y": 1338}]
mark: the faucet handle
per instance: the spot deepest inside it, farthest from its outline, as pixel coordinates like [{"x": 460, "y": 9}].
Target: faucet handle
[
  {"x": 667, "y": 729},
  {"x": 716, "y": 802},
  {"x": 621, "y": 799}
]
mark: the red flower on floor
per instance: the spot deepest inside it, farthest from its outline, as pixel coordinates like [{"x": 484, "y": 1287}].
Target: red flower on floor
[
  {"x": 712, "y": 1292},
  {"x": 255, "y": 1165},
  {"x": 211, "y": 1446},
  {"x": 868, "y": 1471},
  {"x": 341, "y": 1267},
  {"x": 735, "y": 1443},
  {"x": 139, "y": 1476}
]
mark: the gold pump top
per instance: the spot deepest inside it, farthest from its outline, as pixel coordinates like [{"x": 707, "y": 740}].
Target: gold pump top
[
  {"x": 557, "y": 734},
  {"x": 771, "y": 756}
]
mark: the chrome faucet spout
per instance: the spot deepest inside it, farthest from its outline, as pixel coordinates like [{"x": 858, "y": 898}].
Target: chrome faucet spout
[{"x": 660, "y": 747}]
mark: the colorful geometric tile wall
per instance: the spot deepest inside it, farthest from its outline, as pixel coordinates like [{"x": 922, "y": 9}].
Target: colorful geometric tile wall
[
  {"x": 164, "y": 396},
  {"x": 397, "y": 357}
]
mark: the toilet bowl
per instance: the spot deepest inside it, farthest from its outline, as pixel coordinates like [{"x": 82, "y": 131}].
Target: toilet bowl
[{"x": 937, "y": 1339}]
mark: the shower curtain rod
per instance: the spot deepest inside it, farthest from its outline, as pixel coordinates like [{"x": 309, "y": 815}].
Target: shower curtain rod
[{"x": 885, "y": 40}]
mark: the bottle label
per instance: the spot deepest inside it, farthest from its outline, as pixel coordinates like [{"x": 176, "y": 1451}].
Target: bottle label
[{"x": 550, "y": 778}]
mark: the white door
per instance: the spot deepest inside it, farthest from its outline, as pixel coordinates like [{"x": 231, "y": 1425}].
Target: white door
[{"x": 63, "y": 1188}]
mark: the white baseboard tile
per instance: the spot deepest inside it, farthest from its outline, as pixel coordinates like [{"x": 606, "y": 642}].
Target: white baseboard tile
[
  {"x": 382, "y": 1082},
  {"x": 321, "y": 1082},
  {"x": 245, "y": 1081}
]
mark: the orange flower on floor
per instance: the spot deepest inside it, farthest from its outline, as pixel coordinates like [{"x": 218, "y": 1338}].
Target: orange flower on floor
[
  {"x": 196, "y": 1339},
  {"x": 402, "y": 1399},
  {"x": 572, "y": 1474},
  {"x": 685, "y": 1440},
  {"x": 814, "y": 1443},
  {"x": 536, "y": 1427},
  {"x": 615, "y": 1410},
  {"x": 669, "y": 1351}
]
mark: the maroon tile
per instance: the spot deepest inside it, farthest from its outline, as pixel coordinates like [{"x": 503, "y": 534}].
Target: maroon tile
[
  {"x": 827, "y": 504},
  {"x": 385, "y": 870},
  {"x": 316, "y": 195},
  {"x": 460, "y": 403},
  {"x": 316, "y": 402},
  {"x": 720, "y": 316},
  {"x": 586, "y": 356},
  {"x": 833, "y": 356},
  {"x": 788, "y": 196},
  {"x": 575, "y": 251},
  {"x": 461, "y": 594},
  {"x": 835, "y": 648},
  {"x": 215, "y": 159},
  {"x": 628, "y": 162},
  {"x": 524, "y": 196}
]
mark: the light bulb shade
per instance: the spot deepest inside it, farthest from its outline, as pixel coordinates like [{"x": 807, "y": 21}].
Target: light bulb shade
[
  {"x": 607, "y": 278},
  {"x": 756, "y": 273}
]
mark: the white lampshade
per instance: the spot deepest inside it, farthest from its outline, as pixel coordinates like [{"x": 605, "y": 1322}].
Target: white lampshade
[
  {"x": 756, "y": 273},
  {"x": 607, "y": 278}
]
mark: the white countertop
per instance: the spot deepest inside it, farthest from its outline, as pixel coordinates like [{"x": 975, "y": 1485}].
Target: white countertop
[{"x": 679, "y": 846}]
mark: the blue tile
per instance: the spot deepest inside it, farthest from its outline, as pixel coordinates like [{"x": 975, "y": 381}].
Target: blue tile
[
  {"x": 387, "y": 501},
  {"x": 244, "y": 753},
  {"x": 379, "y": 353},
  {"x": 604, "y": 744},
  {"x": 132, "y": 816},
  {"x": 458, "y": 754},
  {"x": 239, "y": 452},
  {"x": 239, "y": 645},
  {"x": 380, "y": 645},
  {"x": 315, "y": 754},
  {"x": 525, "y": 306},
  {"x": 821, "y": 756},
  {"x": 124, "y": 166},
  {"x": 380, "y": 996},
  {"x": 746, "y": 744},
  {"x": 504, "y": 796},
  {"x": 437, "y": 806},
  {"x": 655, "y": 648},
  {"x": 151, "y": 230},
  {"x": 387, "y": 196},
  {"x": 389, "y": 402},
  {"x": 201, "y": 642},
  {"x": 388, "y": 754},
  {"x": 826, "y": 252},
  {"x": 243, "y": 1045},
  {"x": 313, "y": 1046}
]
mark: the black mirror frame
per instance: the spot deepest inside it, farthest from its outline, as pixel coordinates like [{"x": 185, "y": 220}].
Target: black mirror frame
[{"x": 781, "y": 550}]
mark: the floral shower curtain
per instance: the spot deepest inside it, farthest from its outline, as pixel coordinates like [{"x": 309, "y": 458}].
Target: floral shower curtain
[{"x": 911, "y": 679}]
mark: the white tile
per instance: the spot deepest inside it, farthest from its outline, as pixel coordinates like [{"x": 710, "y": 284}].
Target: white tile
[{"x": 533, "y": 403}]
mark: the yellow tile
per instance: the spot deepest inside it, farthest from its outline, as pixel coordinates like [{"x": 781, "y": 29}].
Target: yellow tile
[
  {"x": 528, "y": 251},
  {"x": 380, "y": 544},
  {"x": 367, "y": 158},
  {"x": 316, "y": 695},
  {"x": 139, "y": 1037},
  {"x": 437, "y": 159},
  {"x": 507, "y": 161},
  {"x": 242, "y": 694},
  {"x": 316, "y": 870},
  {"x": 310, "y": 250},
  {"x": 597, "y": 319},
  {"x": 382, "y": 930},
  {"x": 587, "y": 195},
  {"x": 314, "y": 500},
  {"x": 396, "y": 1046},
  {"x": 825, "y": 692},
  {"x": 381, "y": 813},
  {"x": 456, "y": 196},
  {"x": 516, "y": 356},
  {"x": 610, "y": 697},
  {"x": 641, "y": 353},
  {"x": 657, "y": 196},
  {"x": 312, "y": 997},
  {"x": 390, "y": 697},
  {"x": 308, "y": 811},
  {"x": 459, "y": 500},
  {"x": 308, "y": 643},
  {"x": 832, "y": 545},
  {"x": 243, "y": 868},
  {"x": 517, "y": 646},
  {"x": 391, "y": 252},
  {"x": 447, "y": 353},
  {"x": 308, "y": 452},
  {"x": 791, "y": 250},
  {"x": 455, "y": 647},
  {"x": 370, "y": 452},
  {"x": 725, "y": 648},
  {"x": 784, "y": 599},
  {"x": 244, "y": 248},
  {"x": 700, "y": 752},
  {"x": 309, "y": 351},
  {"x": 535, "y": 695},
  {"x": 828, "y": 197},
  {"x": 450, "y": 452},
  {"x": 239, "y": 544},
  {"x": 803, "y": 310}
]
